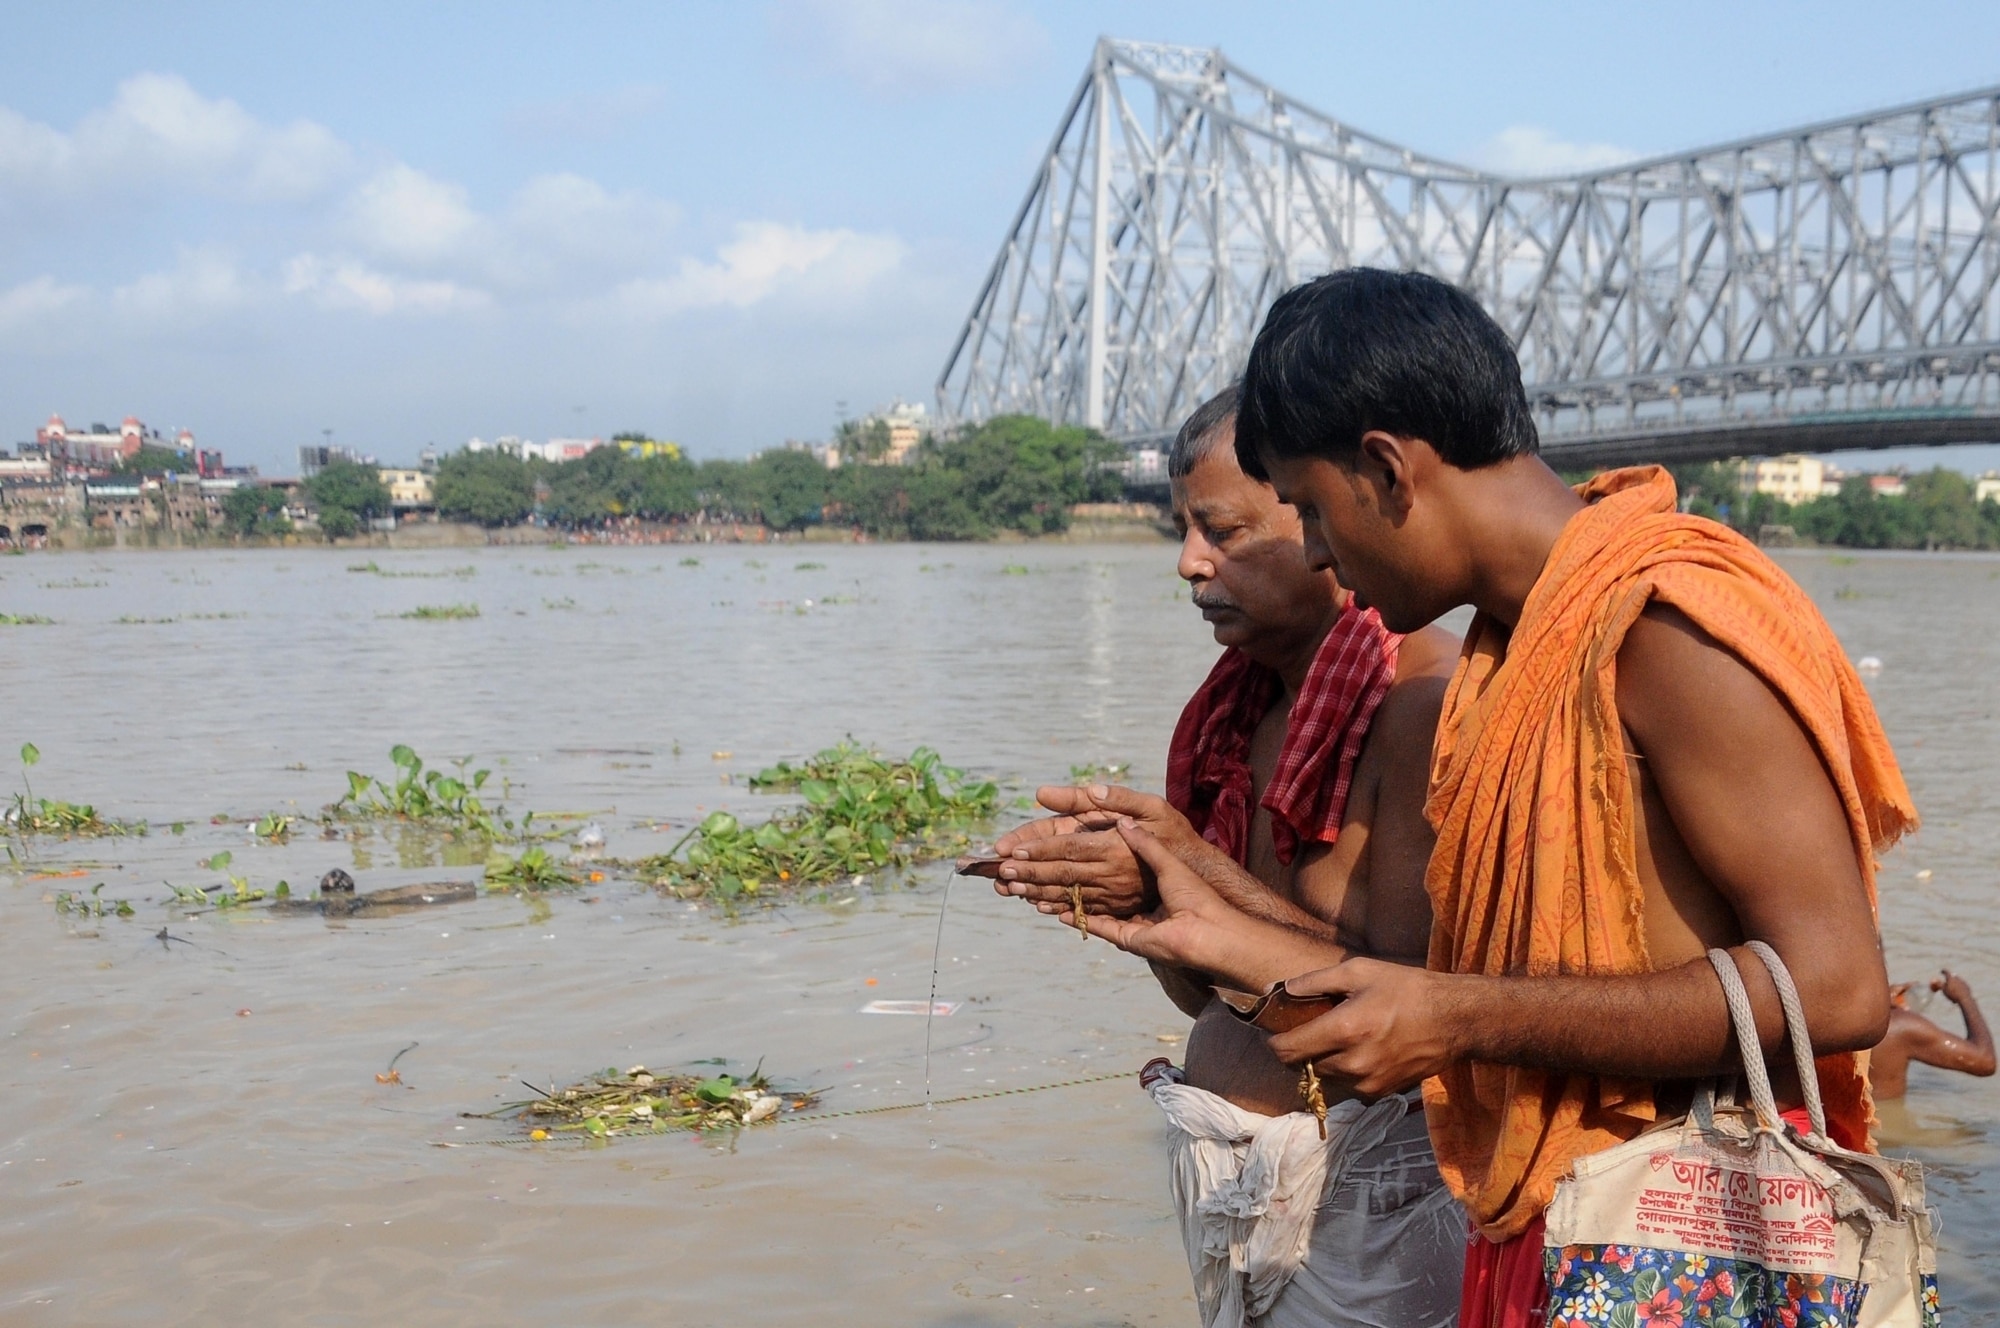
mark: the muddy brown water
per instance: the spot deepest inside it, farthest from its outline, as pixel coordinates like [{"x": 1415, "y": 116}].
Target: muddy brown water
[{"x": 193, "y": 1132}]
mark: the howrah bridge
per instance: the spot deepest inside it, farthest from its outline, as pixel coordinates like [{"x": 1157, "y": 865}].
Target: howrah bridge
[{"x": 1824, "y": 288}]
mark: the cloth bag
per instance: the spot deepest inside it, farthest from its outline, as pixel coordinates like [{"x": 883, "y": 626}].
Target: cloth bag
[{"x": 1732, "y": 1217}]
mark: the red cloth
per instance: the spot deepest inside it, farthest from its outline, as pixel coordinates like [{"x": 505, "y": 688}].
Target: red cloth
[
  {"x": 1208, "y": 765},
  {"x": 1506, "y": 1282}
]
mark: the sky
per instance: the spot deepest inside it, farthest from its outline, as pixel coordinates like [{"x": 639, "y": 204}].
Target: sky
[{"x": 724, "y": 224}]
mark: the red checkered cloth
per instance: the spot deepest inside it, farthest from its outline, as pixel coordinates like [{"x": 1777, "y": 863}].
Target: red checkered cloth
[{"x": 1208, "y": 765}]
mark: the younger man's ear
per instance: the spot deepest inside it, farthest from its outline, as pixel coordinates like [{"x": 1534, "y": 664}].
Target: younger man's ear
[{"x": 1387, "y": 463}]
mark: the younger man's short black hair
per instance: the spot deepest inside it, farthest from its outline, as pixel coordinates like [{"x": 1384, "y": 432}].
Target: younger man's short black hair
[{"x": 1363, "y": 349}]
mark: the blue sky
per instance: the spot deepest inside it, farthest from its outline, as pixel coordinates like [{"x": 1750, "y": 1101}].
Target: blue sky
[{"x": 414, "y": 223}]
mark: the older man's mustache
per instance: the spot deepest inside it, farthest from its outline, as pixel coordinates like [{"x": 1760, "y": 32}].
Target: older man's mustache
[{"x": 1211, "y": 600}]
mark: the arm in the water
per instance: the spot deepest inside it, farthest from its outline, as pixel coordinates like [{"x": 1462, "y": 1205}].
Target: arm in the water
[
  {"x": 1971, "y": 1054},
  {"x": 1196, "y": 928},
  {"x": 1047, "y": 863},
  {"x": 1760, "y": 819}
]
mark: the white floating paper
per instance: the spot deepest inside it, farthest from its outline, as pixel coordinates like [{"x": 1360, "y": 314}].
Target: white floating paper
[{"x": 938, "y": 1009}]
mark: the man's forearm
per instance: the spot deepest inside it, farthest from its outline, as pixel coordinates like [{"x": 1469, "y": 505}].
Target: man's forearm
[
  {"x": 1243, "y": 891},
  {"x": 1250, "y": 953},
  {"x": 1667, "y": 1025}
]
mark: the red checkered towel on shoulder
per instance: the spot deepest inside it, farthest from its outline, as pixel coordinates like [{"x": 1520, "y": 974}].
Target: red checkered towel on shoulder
[{"x": 1208, "y": 766}]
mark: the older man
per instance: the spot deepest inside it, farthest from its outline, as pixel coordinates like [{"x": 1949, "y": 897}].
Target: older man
[{"x": 1302, "y": 759}]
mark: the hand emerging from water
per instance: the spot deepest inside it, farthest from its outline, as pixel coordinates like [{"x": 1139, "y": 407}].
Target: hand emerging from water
[{"x": 1080, "y": 848}]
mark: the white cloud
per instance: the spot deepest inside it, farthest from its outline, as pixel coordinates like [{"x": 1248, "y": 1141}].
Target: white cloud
[
  {"x": 898, "y": 47},
  {"x": 33, "y": 302},
  {"x": 157, "y": 129},
  {"x": 766, "y": 259},
  {"x": 1527, "y": 150},
  {"x": 403, "y": 214},
  {"x": 205, "y": 283},
  {"x": 347, "y": 284}
]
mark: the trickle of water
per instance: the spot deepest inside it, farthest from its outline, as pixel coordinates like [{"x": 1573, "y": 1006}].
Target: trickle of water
[{"x": 930, "y": 1010}]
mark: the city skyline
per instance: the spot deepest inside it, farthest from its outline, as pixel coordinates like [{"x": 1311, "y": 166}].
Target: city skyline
[{"x": 711, "y": 226}]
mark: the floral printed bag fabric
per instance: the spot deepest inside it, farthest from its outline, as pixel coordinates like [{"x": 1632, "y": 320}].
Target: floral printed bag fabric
[{"x": 1734, "y": 1218}]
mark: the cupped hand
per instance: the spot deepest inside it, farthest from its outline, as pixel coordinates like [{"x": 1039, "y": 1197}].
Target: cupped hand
[
  {"x": 1185, "y": 927},
  {"x": 1078, "y": 851},
  {"x": 1954, "y": 987},
  {"x": 1392, "y": 1028}
]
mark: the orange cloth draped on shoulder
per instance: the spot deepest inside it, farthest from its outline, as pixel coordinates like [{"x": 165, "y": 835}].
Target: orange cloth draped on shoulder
[{"x": 1534, "y": 871}]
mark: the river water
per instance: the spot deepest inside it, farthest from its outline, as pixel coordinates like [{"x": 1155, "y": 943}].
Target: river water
[{"x": 193, "y": 1131}]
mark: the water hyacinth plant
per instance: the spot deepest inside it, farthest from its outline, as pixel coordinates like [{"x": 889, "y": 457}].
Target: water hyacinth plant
[
  {"x": 30, "y": 815},
  {"x": 431, "y": 797},
  {"x": 861, "y": 813}
]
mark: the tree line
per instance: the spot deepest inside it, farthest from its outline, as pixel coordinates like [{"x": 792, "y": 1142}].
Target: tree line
[
  {"x": 1936, "y": 510},
  {"x": 1014, "y": 473}
]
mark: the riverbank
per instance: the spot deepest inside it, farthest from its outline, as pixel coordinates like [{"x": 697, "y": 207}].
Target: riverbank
[{"x": 1090, "y": 523}]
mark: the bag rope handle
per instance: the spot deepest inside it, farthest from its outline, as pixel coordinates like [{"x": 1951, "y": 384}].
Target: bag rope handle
[
  {"x": 1747, "y": 1043},
  {"x": 1795, "y": 1030}
]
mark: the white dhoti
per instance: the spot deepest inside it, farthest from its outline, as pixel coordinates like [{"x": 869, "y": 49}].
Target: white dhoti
[{"x": 1284, "y": 1230}]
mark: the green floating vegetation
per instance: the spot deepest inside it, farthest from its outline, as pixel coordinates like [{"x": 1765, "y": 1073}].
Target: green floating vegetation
[
  {"x": 1099, "y": 772},
  {"x": 133, "y": 620},
  {"x": 535, "y": 869},
  {"x": 611, "y": 1104},
  {"x": 439, "y": 612},
  {"x": 30, "y": 815},
  {"x": 25, "y": 620},
  {"x": 373, "y": 568},
  {"x": 431, "y": 797},
  {"x": 861, "y": 814},
  {"x": 809, "y": 567},
  {"x": 92, "y": 904}
]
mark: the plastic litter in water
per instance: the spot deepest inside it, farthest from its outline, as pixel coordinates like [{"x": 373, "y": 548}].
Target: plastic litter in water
[{"x": 933, "y": 1009}]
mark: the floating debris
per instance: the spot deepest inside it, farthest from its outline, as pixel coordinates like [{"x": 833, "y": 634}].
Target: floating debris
[
  {"x": 30, "y": 815},
  {"x": 337, "y": 897},
  {"x": 25, "y": 620},
  {"x": 533, "y": 870},
  {"x": 928, "y": 1009},
  {"x": 862, "y": 813},
  {"x": 441, "y": 612},
  {"x": 613, "y": 1104}
]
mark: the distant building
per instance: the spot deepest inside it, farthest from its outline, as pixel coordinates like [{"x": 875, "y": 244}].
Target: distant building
[
  {"x": 555, "y": 450},
  {"x": 100, "y": 447},
  {"x": 1792, "y": 479},
  {"x": 645, "y": 449},
  {"x": 315, "y": 457},
  {"x": 409, "y": 490},
  {"x": 1886, "y": 486},
  {"x": 559, "y": 450},
  {"x": 907, "y": 426},
  {"x": 1986, "y": 487}
]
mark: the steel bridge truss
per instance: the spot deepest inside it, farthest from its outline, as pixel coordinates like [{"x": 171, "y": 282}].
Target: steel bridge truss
[{"x": 1831, "y": 286}]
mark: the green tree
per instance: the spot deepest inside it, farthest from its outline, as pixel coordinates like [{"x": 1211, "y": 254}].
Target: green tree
[
  {"x": 347, "y": 494},
  {"x": 486, "y": 488},
  {"x": 788, "y": 488},
  {"x": 150, "y": 460},
  {"x": 253, "y": 509}
]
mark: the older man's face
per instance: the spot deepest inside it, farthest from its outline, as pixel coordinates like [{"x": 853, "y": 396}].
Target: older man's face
[{"x": 1243, "y": 558}]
